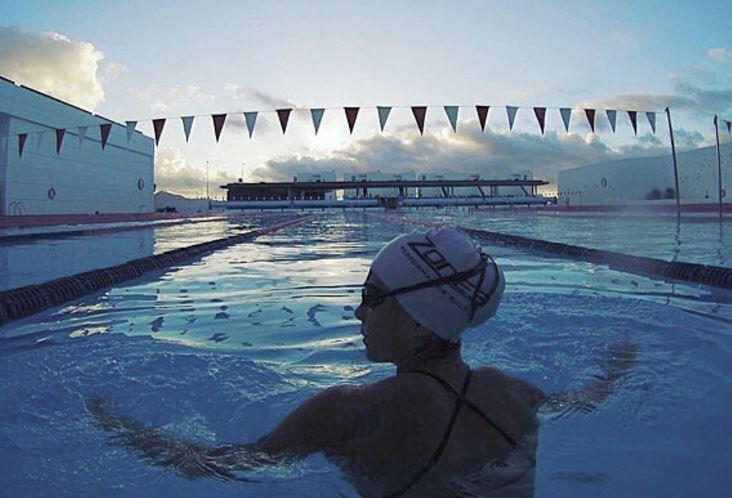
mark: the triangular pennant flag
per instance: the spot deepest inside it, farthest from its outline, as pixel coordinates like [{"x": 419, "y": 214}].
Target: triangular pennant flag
[
  {"x": 317, "y": 115},
  {"x": 590, "y": 113},
  {"x": 611, "y": 116},
  {"x": 158, "y": 125},
  {"x": 452, "y": 114},
  {"x": 729, "y": 125},
  {"x": 59, "y": 139},
  {"x": 633, "y": 116},
  {"x": 419, "y": 112},
  {"x": 104, "y": 130},
  {"x": 218, "y": 123},
  {"x": 540, "y": 113},
  {"x": 351, "y": 115},
  {"x": 383, "y": 116},
  {"x": 284, "y": 115},
  {"x": 39, "y": 140},
  {"x": 511, "y": 112},
  {"x": 482, "y": 111},
  {"x": 187, "y": 125},
  {"x": 251, "y": 119},
  {"x": 566, "y": 113},
  {"x": 81, "y": 133},
  {"x": 652, "y": 120},
  {"x": 130, "y": 129},
  {"x": 21, "y": 143}
]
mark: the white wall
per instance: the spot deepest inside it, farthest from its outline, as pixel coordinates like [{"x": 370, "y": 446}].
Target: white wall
[
  {"x": 629, "y": 181},
  {"x": 85, "y": 179}
]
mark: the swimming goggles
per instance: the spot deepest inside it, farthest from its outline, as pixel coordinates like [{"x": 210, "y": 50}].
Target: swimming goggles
[{"x": 372, "y": 296}]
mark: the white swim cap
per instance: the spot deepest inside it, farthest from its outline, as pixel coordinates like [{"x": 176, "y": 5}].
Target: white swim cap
[{"x": 420, "y": 257}]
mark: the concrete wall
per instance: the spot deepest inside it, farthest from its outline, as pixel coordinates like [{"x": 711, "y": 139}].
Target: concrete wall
[
  {"x": 85, "y": 179},
  {"x": 629, "y": 181}
]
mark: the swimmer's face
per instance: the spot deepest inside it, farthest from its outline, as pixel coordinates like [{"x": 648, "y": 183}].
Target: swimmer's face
[{"x": 385, "y": 328}]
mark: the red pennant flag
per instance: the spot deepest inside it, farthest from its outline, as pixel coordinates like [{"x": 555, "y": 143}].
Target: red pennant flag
[
  {"x": 22, "y": 137},
  {"x": 633, "y": 115},
  {"x": 158, "y": 125},
  {"x": 482, "y": 115},
  {"x": 59, "y": 139},
  {"x": 284, "y": 115},
  {"x": 419, "y": 113},
  {"x": 104, "y": 130},
  {"x": 218, "y": 122},
  {"x": 540, "y": 113},
  {"x": 351, "y": 115},
  {"x": 590, "y": 113}
]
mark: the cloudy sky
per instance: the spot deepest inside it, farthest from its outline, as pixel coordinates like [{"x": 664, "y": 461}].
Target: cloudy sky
[{"x": 140, "y": 60}]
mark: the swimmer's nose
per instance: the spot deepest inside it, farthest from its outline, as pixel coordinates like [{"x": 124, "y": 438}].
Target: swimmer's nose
[{"x": 360, "y": 313}]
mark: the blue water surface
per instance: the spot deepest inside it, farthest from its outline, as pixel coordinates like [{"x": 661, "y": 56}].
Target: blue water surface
[{"x": 220, "y": 350}]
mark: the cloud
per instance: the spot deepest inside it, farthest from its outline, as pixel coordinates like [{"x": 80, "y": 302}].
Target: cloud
[
  {"x": 183, "y": 99},
  {"x": 54, "y": 64},
  {"x": 491, "y": 154},
  {"x": 257, "y": 100},
  {"x": 174, "y": 174},
  {"x": 718, "y": 54},
  {"x": 699, "y": 100}
]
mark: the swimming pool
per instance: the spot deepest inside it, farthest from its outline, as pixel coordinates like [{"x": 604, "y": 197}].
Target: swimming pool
[{"x": 222, "y": 349}]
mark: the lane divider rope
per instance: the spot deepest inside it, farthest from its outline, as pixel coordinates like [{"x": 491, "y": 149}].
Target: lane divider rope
[
  {"x": 711, "y": 275},
  {"x": 25, "y": 301}
]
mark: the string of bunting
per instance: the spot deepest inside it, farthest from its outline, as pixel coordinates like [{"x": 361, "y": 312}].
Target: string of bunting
[{"x": 351, "y": 113}]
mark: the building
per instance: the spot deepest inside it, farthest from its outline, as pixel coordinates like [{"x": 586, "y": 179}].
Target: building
[
  {"x": 379, "y": 192},
  {"x": 328, "y": 176},
  {"x": 648, "y": 180},
  {"x": 518, "y": 191},
  {"x": 82, "y": 178}
]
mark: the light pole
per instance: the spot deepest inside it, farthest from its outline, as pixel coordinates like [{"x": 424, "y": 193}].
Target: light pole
[
  {"x": 207, "y": 168},
  {"x": 242, "y": 171}
]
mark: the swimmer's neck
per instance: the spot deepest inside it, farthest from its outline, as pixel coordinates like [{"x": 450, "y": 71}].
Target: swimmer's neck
[{"x": 446, "y": 366}]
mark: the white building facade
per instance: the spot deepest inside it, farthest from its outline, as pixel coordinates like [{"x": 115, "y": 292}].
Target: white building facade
[
  {"x": 379, "y": 192},
  {"x": 326, "y": 176},
  {"x": 82, "y": 178},
  {"x": 648, "y": 180}
]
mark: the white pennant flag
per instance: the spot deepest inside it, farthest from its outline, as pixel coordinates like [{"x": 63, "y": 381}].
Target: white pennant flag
[
  {"x": 566, "y": 113},
  {"x": 251, "y": 118},
  {"x": 611, "y": 116},
  {"x": 652, "y": 120},
  {"x": 130, "y": 129},
  {"x": 39, "y": 140},
  {"x": 82, "y": 134},
  {"x": 187, "y": 125},
  {"x": 383, "y": 116},
  {"x": 511, "y": 111},
  {"x": 452, "y": 114},
  {"x": 317, "y": 115}
]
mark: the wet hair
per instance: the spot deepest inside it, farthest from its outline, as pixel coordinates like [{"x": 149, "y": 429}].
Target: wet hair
[{"x": 431, "y": 346}]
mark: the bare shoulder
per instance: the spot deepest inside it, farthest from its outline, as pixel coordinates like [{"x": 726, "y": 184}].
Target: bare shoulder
[{"x": 509, "y": 386}]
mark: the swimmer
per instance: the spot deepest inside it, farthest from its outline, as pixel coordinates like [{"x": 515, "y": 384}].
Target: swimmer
[{"x": 437, "y": 427}]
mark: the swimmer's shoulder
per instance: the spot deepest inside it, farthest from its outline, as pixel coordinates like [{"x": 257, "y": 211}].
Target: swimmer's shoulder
[{"x": 508, "y": 386}]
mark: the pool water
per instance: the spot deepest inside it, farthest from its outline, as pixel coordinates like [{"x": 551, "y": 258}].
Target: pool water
[{"x": 222, "y": 349}]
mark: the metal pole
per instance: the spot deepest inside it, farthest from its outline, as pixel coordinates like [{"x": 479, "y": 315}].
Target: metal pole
[
  {"x": 676, "y": 168},
  {"x": 207, "y": 197},
  {"x": 719, "y": 163}
]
